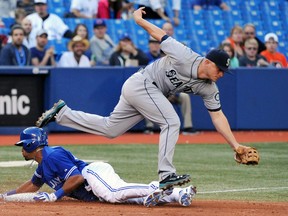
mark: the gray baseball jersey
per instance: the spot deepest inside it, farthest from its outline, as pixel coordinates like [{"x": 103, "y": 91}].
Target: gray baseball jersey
[
  {"x": 144, "y": 95},
  {"x": 177, "y": 72}
]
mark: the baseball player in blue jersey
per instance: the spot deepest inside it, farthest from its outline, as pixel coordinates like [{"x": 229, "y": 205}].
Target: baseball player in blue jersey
[
  {"x": 72, "y": 177},
  {"x": 145, "y": 93}
]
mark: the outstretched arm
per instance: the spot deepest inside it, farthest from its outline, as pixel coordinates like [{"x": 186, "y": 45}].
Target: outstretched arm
[
  {"x": 222, "y": 126},
  {"x": 152, "y": 30}
]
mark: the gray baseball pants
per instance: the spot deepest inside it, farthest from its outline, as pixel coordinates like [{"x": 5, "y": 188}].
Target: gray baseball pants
[{"x": 139, "y": 98}]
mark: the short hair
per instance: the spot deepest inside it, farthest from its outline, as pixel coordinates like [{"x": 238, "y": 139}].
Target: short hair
[
  {"x": 250, "y": 25},
  {"x": 15, "y": 27},
  {"x": 236, "y": 27},
  {"x": 226, "y": 44},
  {"x": 251, "y": 41}
]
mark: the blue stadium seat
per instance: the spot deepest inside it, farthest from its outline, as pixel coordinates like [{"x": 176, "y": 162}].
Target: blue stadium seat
[
  {"x": 4, "y": 31},
  {"x": 55, "y": 3},
  {"x": 60, "y": 11},
  {"x": 8, "y": 21}
]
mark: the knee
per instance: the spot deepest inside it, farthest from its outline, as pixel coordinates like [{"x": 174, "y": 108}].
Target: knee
[{"x": 112, "y": 134}]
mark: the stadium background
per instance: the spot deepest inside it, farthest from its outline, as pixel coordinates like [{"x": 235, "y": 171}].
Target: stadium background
[{"x": 252, "y": 99}]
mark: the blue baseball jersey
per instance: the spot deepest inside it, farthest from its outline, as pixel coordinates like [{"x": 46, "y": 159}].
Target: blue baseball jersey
[{"x": 58, "y": 164}]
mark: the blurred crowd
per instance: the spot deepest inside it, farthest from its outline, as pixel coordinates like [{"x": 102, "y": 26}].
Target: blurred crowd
[{"x": 28, "y": 39}]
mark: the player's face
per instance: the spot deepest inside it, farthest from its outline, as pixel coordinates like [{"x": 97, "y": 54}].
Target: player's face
[
  {"x": 214, "y": 73},
  {"x": 27, "y": 156}
]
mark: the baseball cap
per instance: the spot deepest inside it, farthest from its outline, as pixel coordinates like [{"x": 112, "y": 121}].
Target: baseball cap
[
  {"x": 41, "y": 32},
  {"x": 271, "y": 35},
  {"x": 220, "y": 58},
  {"x": 40, "y": 1},
  {"x": 99, "y": 22},
  {"x": 125, "y": 36}
]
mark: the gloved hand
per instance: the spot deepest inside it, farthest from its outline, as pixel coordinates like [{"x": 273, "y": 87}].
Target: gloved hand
[{"x": 45, "y": 197}]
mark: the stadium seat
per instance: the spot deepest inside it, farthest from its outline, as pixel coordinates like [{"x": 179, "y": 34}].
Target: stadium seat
[
  {"x": 8, "y": 21},
  {"x": 60, "y": 11}
]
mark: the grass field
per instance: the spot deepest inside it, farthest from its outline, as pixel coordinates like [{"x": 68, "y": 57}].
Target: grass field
[{"x": 212, "y": 167}]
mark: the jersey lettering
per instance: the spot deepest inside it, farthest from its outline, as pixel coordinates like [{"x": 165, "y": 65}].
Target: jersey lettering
[
  {"x": 173, "y": 78},
  {"x": 54, "y": 182}
]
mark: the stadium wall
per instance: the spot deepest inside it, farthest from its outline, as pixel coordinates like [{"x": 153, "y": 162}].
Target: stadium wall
[{"x": 252, "y": 99}]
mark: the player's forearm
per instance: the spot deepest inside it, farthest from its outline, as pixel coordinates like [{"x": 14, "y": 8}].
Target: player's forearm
[
  {"x": 72, "y": 183},
  {"x": 153, "y": 30},
  {"x": 24, "y": 188},
  {"x": 222, "y": 126}
]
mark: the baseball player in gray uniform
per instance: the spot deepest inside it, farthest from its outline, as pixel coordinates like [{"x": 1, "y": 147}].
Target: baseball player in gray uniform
[{"x": 144, "y": 94}]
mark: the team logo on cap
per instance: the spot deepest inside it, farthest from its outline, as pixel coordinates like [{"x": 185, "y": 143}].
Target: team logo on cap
[{"x": 228, "y": 62}]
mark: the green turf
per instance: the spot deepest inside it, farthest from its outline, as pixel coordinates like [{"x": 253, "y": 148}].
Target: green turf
[{"x": 212, "y": 168}]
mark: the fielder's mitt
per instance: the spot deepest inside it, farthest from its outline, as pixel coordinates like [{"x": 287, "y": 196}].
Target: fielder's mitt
[{"x": 246, "y": 155}]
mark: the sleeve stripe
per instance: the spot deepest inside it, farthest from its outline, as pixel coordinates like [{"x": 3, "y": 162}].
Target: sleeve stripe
[
  {"x": 36, "y": 174},
  {"x": 70, "y": 171},
  {"x": 214, "y": 110}
]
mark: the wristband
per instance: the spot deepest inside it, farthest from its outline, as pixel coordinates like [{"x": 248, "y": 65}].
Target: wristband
[
  {"x": 11, "y": 192},
  {"x": 59, "y": 193}
]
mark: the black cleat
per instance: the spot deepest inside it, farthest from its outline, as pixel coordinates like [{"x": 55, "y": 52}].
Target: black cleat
[
  {"x": 174, "y": 180},
  {"x": 50, "y": 114}
]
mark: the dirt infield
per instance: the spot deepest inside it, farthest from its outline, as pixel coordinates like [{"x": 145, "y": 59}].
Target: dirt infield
[{"x": 198, "y": 207}]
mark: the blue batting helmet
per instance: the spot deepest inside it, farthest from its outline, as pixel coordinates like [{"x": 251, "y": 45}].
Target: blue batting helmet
[{"x": 31, "y": 138}]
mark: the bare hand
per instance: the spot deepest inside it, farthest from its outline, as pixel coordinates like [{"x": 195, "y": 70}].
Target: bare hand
[
  {"x": 137, "y": 14},
  {"x": 176, "y": 21},
  {"x": 50, "y": 51}
]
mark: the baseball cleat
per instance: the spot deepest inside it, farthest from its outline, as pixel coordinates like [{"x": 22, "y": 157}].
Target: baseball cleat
[
  {"x": 154, "y": 198},
  {"x": 186, "y": 195},
  {"x": 50, "y": 114},
  {"x": 174, "y": 180}
]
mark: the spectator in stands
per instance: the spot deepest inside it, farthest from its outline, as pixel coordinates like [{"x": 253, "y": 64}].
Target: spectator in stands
[
  {"x": 7, "y": 8},
  {"x": 168, "y": 28},
  {"x": 209, "y": 4},
  {"x": 102, "y": 46},
  {"x": 275, "y": 58},
  {"x": 15, "y": 53},
  {"x": 156, "y": 10},
  {"x": 20, "y": 14},
  {"x": 84, "y": 8},
  {"x": 82, "y": 30},
  {"x": 154, "y": 50},
  {"x": 251, "y": 58},
  {"x": 121, "y": 9},
  {"x": 127, "y": 54},
  {"x": 52, "y": 23},
  {"x": 234, "y": 62},
  {"x": 250, "y": 32},
  {"x": 27, "y": 5},
  {"x": 76, "y": 57},
  {"x": 29, "y": 41},
  {"x": 3, "y": 36},
  {"x": 181, "y": 99},
  {"x": 236, "y": 40},
  {"x": 40, "y": 55}
]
